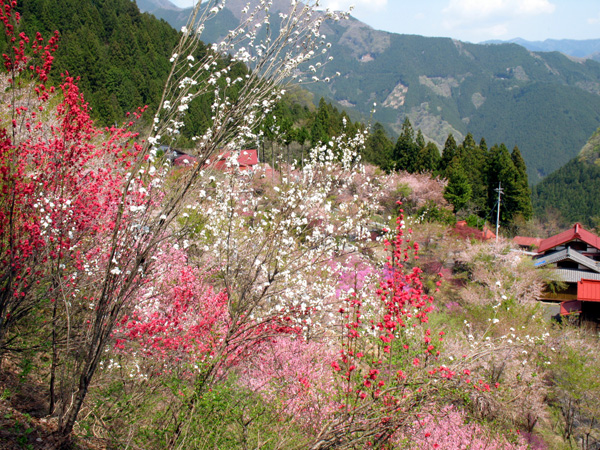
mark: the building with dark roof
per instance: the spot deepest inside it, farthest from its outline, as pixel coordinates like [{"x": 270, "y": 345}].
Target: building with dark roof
[{"x": 575, "y": 256}]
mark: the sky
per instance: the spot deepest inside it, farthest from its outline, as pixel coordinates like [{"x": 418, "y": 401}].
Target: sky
[{"x": 476, "y": 20}]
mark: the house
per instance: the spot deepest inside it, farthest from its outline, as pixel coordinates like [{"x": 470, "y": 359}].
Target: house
[
  {"x": 528, "y": 244},
  {"x": 184, "y": 159},
  {"x": 247, "y": 160},
  {"x": 575, "y": 256}
]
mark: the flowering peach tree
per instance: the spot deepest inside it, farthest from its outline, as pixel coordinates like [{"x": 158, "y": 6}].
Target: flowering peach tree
[{"x": 86, "y": 212}]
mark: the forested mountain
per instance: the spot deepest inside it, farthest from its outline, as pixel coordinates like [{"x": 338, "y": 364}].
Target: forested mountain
[
  {"x": 546, "y": 103},
  {"x": 573, "y": 189},
  {"x": 121, "y": 55}
]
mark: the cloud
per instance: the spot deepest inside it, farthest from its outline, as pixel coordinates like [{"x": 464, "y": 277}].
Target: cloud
[
  {"x": 487, "y": 19},
  {"x": 594, "y": 20},
  {"x": 344, "y": 5},
  {"x": 498, "y": 30},
  {"x": 467, "y": 10}
]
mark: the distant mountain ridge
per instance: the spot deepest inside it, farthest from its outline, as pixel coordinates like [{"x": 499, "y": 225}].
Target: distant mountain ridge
[
  {"x": 587, "y": 48},
  {"x": 153, "y": 5},
  {"x": 546, "y": 103}
]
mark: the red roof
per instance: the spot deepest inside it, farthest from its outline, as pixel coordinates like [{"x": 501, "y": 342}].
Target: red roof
[
  {"x": 577, "y": 232},
  {"x": 185, "y": 160},
  {"x": 245, "y": 158},
  {"x": 525, "y": 241},
  {"x": 588, "y": 290}
]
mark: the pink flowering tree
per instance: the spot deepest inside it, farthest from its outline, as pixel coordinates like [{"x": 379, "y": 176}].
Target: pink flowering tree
[
  {"x": 295, "y": 376},
  {"x": 178, "y": 318},
  {"x": 449, "y": 429}
]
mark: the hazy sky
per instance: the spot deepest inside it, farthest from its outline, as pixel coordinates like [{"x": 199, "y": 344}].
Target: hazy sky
[{"x": 477, "y": 20}]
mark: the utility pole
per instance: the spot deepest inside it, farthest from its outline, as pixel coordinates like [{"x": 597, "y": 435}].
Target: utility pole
[{"x": 500, "y": 192}]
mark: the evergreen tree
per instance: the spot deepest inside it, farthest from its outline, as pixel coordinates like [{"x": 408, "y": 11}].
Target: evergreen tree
[
  {"x": 406, "y": 152},
  {"x": 501, "y": 169},
  {"x": 321, "y": 124},
  {"x": 473, "y": 163},
  {"x": 420, "y": 140},
  {"x": 458, "y": 190},
  {"x": 483, "y": 146},
  {"x": 378, "y": 148},
  {"x": 429, "y": 158},
  {"x": 519, "y": 163},
  {"x": 420, "y": 147},
  {"x": 522, "y": 193},
  {"x": 302, "y": 136},
  {"x": 448, "y": 153},
  {"x": 346, "y": 125}
]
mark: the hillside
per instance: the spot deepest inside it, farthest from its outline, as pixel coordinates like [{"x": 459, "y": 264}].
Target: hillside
[
  {"x": 225, "y": 304},
  {"x": 546, "y": 103},
  {"x": 121, "y": 55},
  {"x": 572, "y": 189}
]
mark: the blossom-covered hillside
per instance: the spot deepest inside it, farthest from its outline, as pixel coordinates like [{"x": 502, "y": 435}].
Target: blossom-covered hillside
[{"x": 318, "y": 303}]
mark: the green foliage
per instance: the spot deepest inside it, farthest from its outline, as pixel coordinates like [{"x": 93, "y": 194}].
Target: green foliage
[
  {"x": 475, "y": 221},
  {"x": 121, "y": 55},
  {"x": 429, "y": 158},
  {"x": 570, "y": 190},
  {"x": 431, "y": 212},
  {"x": 226, "y": 417},
  {"x": 473, "y": 162},
  {"x": 406, "y": 150},
  {"x": 519, "y": 196},
  {"x": 501, "y": 171},
  {"x": 458, "y": 191},
  {"x": 378, "y": 148},
  {"x": 449, "y": 152},
  {"x": 577, "y": 392}
]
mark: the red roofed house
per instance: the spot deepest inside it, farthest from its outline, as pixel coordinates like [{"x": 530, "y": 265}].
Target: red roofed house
[
  {"x": 527, "y": 243},
  {"x": 575, "y": 256},
  {"x": 185, "y": 160},
  {"x": 247, "y": 159}
]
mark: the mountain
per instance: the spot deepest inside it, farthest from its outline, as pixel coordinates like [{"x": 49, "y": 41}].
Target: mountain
[
  {"x": 121, "y": 55},
  {"x": 546, "y": 103},
  {"x": 153, "y": 5},
  {"x": 587, "y": 48},
  {"x": 572, "y": 189}
]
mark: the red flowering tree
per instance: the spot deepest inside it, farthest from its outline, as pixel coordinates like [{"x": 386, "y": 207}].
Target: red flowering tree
[{"x": 388, "y": 367}]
